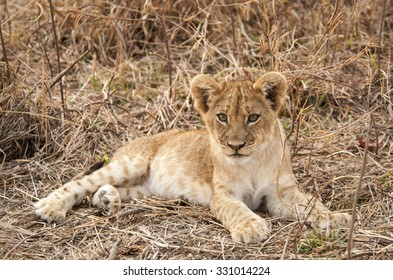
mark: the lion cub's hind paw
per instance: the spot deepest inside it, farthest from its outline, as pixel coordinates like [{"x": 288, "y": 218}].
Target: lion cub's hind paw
[
  {"x": 50, "y": 209},
  {"x": 108, "y": 199},
  {"x": 335, "y": 221}
]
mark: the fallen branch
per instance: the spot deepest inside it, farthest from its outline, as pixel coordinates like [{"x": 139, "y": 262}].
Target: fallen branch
[{"x": 355, "y": 200}]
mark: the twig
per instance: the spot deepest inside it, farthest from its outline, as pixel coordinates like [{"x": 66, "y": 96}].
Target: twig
[
  {"x": 58, "y": 57},
  {"x": 104, "y": 17},
  {"x": 65, "y": 71},
  {"x": 37, "y": 115},
  {"x": 168, "y": 53},
  {"x": 188, "y": 248},
  {"x": 284, "y": 250},
  {"x": 5, "y": 55},
  {"x": 44, "y": 120},
  {"x": 355, "y": 200},
  {"x": 114, "y": 249},
  {"x": 233, "y": 32},
  {"x": 106, "y": 97},
  {"x": 131, "y": 212},
  {"x": 20, "y": 11},
  {"x": 342, "y": 128},
  {"x": 380, "y": 38}
]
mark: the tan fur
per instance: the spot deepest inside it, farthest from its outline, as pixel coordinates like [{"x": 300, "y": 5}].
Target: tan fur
[{"x": 239, "y": 164}]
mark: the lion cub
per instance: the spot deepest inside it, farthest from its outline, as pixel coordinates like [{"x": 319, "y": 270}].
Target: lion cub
[{"x": 238, "y": 164}]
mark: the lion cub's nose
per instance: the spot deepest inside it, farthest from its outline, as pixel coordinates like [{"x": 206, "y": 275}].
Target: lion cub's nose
[{"x": 236, "y": 146}]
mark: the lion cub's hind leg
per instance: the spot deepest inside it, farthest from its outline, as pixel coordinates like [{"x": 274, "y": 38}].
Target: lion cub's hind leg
[
  {"x": 108, "y": 198},
  {"x": 123, "y": 171},
  {"x": 293, "y": 204}
]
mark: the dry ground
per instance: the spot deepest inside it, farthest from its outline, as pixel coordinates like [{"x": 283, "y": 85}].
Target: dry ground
[{"x": 118, "y": 71}]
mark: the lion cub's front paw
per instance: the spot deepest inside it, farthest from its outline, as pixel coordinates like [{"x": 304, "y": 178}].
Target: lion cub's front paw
[
  {"x": 335, "y": 220},
  {"x": 50, "y": 209},
  {"x": 252, "y": 230}
]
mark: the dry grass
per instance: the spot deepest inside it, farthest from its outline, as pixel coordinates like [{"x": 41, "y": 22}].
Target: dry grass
[{"x": 125, "y": 71}]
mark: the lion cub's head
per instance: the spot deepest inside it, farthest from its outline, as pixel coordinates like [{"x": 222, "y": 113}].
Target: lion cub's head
[{"x": 240, "y": 115}]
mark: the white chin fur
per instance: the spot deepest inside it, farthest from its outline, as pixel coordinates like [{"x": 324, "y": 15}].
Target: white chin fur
[{"x": 237, "y": 160}]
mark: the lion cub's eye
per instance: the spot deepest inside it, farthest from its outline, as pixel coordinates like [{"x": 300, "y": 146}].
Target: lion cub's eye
[
  {"x": 222, "y": 118},
  {"x": 253, "y": 118}
]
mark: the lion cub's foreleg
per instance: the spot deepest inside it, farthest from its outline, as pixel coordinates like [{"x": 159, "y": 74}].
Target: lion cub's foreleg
[
  {"x": 244, "y": 225},
  {"x": 289, "y": 202}
]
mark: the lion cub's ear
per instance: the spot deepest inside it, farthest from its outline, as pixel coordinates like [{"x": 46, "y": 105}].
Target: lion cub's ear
[
  {"x": 203, "y": 88},
  {"x": 274, "y": 86}
]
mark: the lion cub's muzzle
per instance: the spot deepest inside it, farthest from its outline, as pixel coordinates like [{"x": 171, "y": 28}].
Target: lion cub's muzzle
[
  {"x": 236, "y": 146},
  {"x": 236, "y": 149}
]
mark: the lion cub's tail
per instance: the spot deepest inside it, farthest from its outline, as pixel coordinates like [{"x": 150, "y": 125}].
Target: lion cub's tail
[{"x": 91, "y": 169}]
